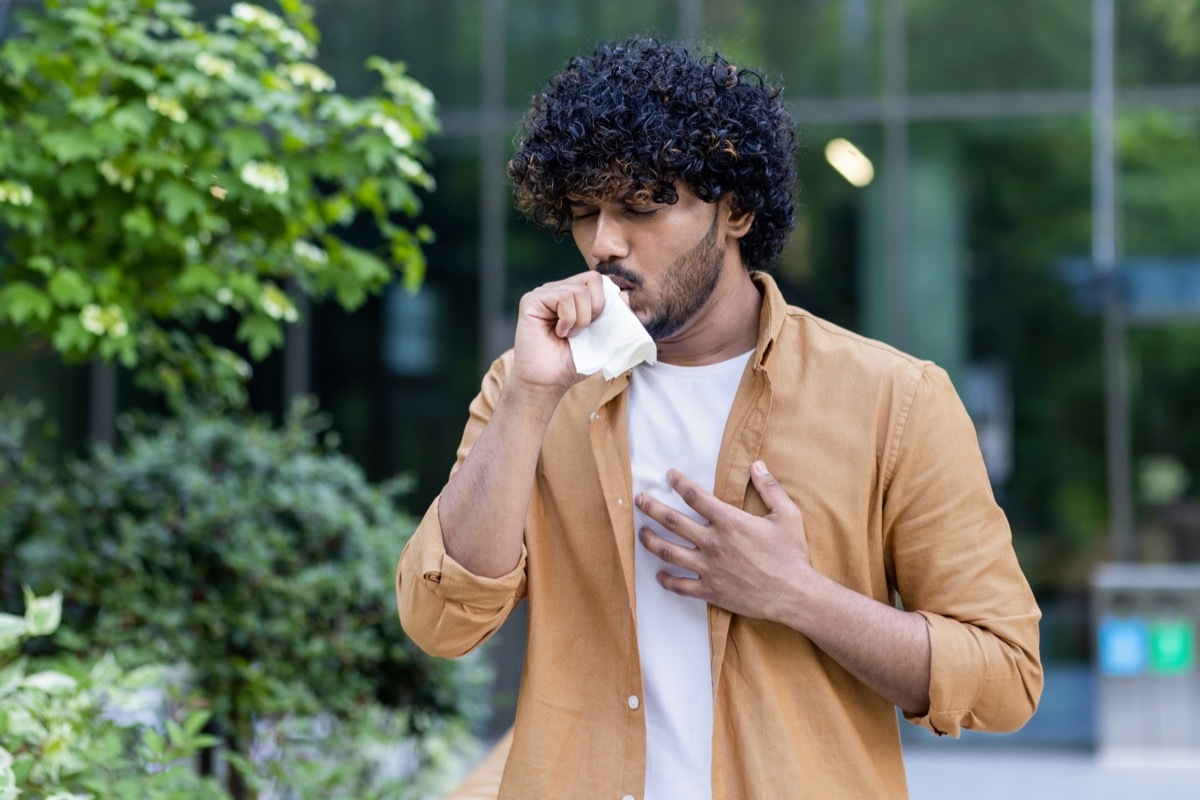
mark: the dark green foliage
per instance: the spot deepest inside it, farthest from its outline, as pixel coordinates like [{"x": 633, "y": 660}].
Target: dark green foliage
[{"x": 258, "y": 556}]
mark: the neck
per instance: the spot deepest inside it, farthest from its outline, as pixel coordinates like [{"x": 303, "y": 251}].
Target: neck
[{"x": 727, "y": 326}]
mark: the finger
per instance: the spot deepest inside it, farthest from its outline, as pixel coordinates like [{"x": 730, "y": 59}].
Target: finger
[
  {"x": 595, "y": 287},
  {"x": 704, "y": 503},
  {"x": 589, "y": 300},
  {"x": 688, "y": 587},
  {"x": 677, "y": 554},
  {"x": 567, "y": 312},
  {"x": 673, "y": 520},
  {"x": 774, "y": 496}
]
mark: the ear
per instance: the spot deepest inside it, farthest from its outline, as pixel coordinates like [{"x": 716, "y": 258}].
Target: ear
[{"x": 737, "y": 222}]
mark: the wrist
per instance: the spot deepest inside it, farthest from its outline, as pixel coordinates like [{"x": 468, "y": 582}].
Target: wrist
[
  {"x": 801, "y": 606},
  {"x": 532, "y": 400}
]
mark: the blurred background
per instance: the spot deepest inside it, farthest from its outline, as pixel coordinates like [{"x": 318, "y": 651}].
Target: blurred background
[{"x": 1011, "y": 189}]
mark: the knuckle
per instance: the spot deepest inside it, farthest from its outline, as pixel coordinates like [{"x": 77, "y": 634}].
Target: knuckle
[{"x": 717, "y": 547}]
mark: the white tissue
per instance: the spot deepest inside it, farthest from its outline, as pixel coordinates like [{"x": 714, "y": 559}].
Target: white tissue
[{"x": 615, "y": 341}]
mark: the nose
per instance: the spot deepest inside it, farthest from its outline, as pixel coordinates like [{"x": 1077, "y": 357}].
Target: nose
[{"x": 609, "y": 242}]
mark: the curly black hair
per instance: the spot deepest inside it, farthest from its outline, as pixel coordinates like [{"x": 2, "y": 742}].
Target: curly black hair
[{"x": 631, "y": 119}]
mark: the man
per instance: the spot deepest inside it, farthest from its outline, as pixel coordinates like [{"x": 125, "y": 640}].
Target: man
[{"x": 711, "y": 546}]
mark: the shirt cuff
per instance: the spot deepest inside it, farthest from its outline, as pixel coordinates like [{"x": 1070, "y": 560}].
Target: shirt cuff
[
  {"x": 956, "y": 676},
  {"x": 454, "y": 583}
]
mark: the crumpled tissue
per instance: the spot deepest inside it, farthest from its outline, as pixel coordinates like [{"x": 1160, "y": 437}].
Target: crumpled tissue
[{"x": 615, "y": 341}]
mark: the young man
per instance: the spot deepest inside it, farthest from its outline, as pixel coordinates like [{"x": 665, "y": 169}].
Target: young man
[{"x": 711, "y": 546}]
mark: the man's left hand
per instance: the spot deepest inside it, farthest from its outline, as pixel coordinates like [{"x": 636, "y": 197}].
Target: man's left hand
[{"x": 745, "y": 564}]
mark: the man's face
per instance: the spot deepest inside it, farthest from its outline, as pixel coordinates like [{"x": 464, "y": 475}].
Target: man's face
[{"x": 668, "y": 259}]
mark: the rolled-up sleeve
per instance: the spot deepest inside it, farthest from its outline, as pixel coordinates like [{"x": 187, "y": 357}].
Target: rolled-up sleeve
[
  {"x": 445, "y": 609},
  {"x": 951, "y": 555}
]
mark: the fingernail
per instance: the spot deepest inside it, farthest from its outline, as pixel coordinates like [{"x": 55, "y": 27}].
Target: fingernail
[{"x": 760, "y": 468}]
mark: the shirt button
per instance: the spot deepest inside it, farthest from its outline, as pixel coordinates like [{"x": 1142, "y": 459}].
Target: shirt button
[
  {"x": 627, "y": 797},
  {"x": 633, "y": 702}
]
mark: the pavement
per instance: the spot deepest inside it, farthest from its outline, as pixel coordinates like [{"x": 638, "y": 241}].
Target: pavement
[{"x": 940, "y": 772}]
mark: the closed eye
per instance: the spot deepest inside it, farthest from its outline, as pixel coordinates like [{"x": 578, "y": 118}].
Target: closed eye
[{"x": 642, "y": 213}]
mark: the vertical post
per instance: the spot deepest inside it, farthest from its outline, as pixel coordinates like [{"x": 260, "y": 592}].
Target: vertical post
[
  {"x": 297, "y": 349},
  {"x": 492, "y": 198},
  {"x": 1104, "y": 257},
  {"x": 102, "y": 415},
  {"x": 896, "y": 155}
]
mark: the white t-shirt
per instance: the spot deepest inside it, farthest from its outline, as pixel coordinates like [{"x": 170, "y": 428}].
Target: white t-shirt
[{"x": 677, "y": 417}]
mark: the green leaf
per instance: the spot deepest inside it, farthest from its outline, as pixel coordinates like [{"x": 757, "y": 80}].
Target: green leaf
[
  {"x": 21, "y": 303},
  {"x": 196, "y": 721},
  {"x": 42, "y": 614},
  {"x": 50, "y": 681},
  {"x": 66, "y": 146},
  {"x": 198, "y": 279},
  {"x": 71, "y": 338},
  {"x": 41, "y": 264},
  {"x": 12, "y": 630},
  {"x": 243, "y": 145},
  {"x": 78, "y": 180},
  {"x": 180, "y": 200},
  {"x": 153, "y": 741},
  {"x": 139, "y": 221},
  {"x": 22, "y": 766},
  {"x": 261, "y": 334},
  {"x": 69, "y": 289},
  {"x": 134, "y": 118}
]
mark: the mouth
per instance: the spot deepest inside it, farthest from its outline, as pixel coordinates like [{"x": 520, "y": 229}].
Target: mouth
[{"x": 625, "y": 281}]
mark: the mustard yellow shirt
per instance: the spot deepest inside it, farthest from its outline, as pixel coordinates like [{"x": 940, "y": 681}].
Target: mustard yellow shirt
[{"x": 876, "y": 449}]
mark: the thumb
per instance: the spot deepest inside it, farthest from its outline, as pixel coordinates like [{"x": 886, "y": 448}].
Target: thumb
[{"x": 769, "y": 490}]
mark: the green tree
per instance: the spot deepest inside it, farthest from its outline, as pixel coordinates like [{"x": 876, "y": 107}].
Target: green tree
[{"x": 158, "y": 174}]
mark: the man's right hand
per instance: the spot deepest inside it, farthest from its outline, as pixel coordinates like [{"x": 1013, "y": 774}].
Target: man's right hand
[{"x": 547, "y": 317}]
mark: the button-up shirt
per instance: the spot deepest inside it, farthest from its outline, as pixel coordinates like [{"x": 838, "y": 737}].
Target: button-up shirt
[{"x": 876, "y": 449}]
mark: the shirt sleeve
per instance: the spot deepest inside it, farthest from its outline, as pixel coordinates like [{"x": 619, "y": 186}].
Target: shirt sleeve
[
  {"x": 444, "y": 608},
  {"x": 951, "y": 555}
]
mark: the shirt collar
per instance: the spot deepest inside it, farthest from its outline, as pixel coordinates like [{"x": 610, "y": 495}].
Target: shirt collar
[{"x": 770, "y": 318}]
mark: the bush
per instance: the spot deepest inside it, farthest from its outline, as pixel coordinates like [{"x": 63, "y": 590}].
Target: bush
[
  {"x": 61, "y": 737},
  {"x": 256, "y": 555}
]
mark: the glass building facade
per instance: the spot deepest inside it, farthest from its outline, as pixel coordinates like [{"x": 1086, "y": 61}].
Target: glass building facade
[{"x": 1028, "y": 219}]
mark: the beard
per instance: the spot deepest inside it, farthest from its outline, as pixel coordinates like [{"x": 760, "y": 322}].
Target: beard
[{"x": 687, "y": 285}]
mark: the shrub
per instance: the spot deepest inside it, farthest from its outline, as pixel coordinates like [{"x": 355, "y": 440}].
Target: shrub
[
  {"x": 61, "y": 734},
  {"x": 256, "y": 555}
]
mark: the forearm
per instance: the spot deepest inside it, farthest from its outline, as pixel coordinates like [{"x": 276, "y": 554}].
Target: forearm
[
  {"x": 482, "y": 510},
  {"x": 885, "y": 648}
]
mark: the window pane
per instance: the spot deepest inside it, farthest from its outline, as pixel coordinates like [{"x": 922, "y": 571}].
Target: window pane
[
  {"x": 821, "y": 48},
  {"x": 1158, "y": 42},
  {"x": 1159, "y": 152},
  {"x": 1016, "y": 45},
  {"x": 544, "y": 34},
  {"x": 438, "y": 41}
]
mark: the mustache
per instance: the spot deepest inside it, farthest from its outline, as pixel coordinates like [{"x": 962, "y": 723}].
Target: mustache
[{"x": 614, "y": 270}]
